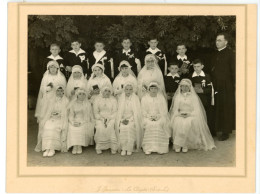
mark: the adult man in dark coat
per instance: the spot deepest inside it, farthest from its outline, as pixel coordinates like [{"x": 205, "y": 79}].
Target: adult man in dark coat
[{"x": 223, "y": 72}]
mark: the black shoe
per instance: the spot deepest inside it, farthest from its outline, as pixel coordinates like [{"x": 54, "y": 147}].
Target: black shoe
[{"x": 223, "y": 137}]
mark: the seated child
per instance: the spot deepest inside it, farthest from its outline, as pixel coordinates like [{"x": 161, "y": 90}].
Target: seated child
[
  {"x": 128, "y": 122},
  {"x": 172, "y": 81},
  {"x": 128, "y": 54},
  {"x": 105, "y": 110},
  {"x": 184, "y": 61},
  {"x": 102, "y": 57},
  {"x": 97, "y": 80},
  {"x": 189, "y": 120},
  {"x": 125, "y": 75},
  {"x": 155, "y": 121},
  {"x": 53, "y": 125},
  {"x": 76, "y": 56},
  {"x": 51, "y": 78},
  {"x": 162, "y": 62},
  {"x": 81, "y": 122},
  {"x": 76, "y": 80},
  {"x": 55, "y": 50}
]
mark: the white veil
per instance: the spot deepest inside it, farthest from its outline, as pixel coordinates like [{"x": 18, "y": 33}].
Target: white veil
[
  {"x": 135, "y": 104},
  {"x": 146, "y": 76},
  {"x": 199, "y": 114}
]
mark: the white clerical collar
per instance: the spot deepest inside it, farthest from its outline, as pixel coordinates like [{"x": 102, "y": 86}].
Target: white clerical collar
[
  {"x": 55, "y": 58},
  {"x": 126, "y": 51},
  {"x": 153, "y": 51},
  {"x": 222, "y": 48},
  {"x": 80, "y": 51},
  {"x": 173, "y": 76},
  {"x": 182, "y": 58},
  {"x": 201, "y": 74}
]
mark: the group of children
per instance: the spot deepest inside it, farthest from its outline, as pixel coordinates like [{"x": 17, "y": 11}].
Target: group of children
[{"x": 118, "y": 104}]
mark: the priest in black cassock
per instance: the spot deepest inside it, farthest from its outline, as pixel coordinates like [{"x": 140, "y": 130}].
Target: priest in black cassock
[{"x": 223, "y": 72}]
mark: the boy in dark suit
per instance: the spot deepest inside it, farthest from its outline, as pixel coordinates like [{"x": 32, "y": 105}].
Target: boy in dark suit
[
  {"x": 171, "y": 81},
  {"x": 203, "y": 86},
  {"x": 184, "y": 61},
  {"x": 55, "y": 50},
  {"x": 76, "y": 56},
  {"x": 129, "y": 55},
  {"x": 102, "y": 57},
  {"x": 162, "y": 62}
]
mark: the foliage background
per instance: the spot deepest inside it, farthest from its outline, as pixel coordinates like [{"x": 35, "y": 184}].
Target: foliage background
[{"x": 197, "y": 32}]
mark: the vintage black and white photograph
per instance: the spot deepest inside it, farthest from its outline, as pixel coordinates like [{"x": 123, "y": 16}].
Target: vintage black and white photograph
[{"x": 136, "y": 90}]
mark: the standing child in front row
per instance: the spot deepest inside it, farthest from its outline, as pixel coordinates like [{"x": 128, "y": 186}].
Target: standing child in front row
[
  {"x": 76, "y": 56},
  {"x": 184, "y": 61},
  {"x": 172, "y": 80},
  {"x": 162, "y": 62},
  {"x": 100, "y": 56},
  {"x": 203, "y": 87},
  {"x": 55, "y": 50},
  {"x": 128, "y": 54}
]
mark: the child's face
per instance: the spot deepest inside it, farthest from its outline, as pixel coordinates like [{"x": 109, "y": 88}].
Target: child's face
[
  {"x": 198, "y": 67},
  {"x": 185, "y": 88},
  {"x": 173, "y": 69},
  {"x": 81, "y": 96},
  {"x": 55, "y": 50},
  {"x": 77, "y": 75},
  {"x": 59, "y": 92},
  {"x": 125, "y": 71},
  {"x": 128, "y": 90},
  {"x": 106, "y": 93},
  {"x": 97, "y": 71},
  {"x": 53, "y": 70},
  {"x": 126, "y": 44},
  {"x": 150, "y": 63},
  {"x": 153, "y": 44},
  {"x": 181, "y": 50},
  {"x": 99, "y": 46},
  {"x": 75, "y": 46},
  {"x": 153, "y": 91}
]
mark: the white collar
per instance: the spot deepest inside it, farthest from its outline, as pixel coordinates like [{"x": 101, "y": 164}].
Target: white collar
[
  {"x": 126, "y": 51},
  {"x": 182, "y": 58},
  {"x": 153, "y": 51},
  {"x": 173, "y": 76},
  {"x": 99, "y": 55},
  {"x": 222, "y": 48},
  {"x": 80, "y": 51},
  {"x": 55, "y": 58},
  {"x": 201, "y": 74}
]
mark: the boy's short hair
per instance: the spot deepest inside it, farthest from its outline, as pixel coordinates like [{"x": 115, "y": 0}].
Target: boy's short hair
[
  {"x": 55, "y": 44},
  {"x": 100, "y": 41},
  {"x": 153, "y": 38},
  {"x": 126, "y": 38},
  {"x": 75, "y": 40},
  {"x": 173, "y": 63},
  {"x": 181, "y": 44},
  {"x": 196, "y": 61},
  {"x": 226, "y": 36}
]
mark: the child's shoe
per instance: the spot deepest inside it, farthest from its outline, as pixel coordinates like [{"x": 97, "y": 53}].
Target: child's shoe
[
  {"x": 99, "y": 151},
  {"x": 74, "y": 150},
  {"x": 123, "y": 153},
  {"x": 113, "y": 151},
  {"x": 129, "y": 153},
  {"x": 79, "y": 150},
  {"x": 51, "y": 153},
  {"x": 147, "y": 153},
  {"x": 184, "y": 149},
  {"x": 45, "y": 154}
]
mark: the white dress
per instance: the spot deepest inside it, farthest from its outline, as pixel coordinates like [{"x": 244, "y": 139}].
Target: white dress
[
  {"x": 191, "y": 132},
  {"x": 156, "y": 133},
  {"x": 81, "y": 135},
  {"x": 105, "y": 112}
]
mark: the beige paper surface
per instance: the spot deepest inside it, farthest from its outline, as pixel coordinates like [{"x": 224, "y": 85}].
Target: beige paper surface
[{"x": 21, "y": 178}]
